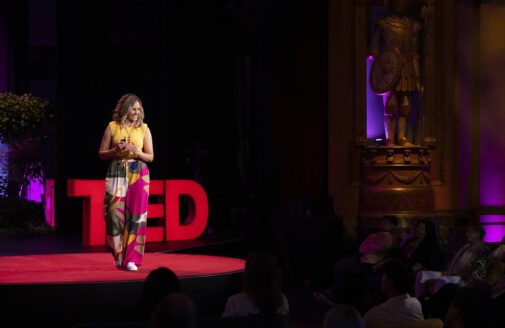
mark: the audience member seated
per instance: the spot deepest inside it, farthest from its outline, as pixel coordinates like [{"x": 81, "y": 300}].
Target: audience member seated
[
  {"x": 426, "y": 323},
  {"x": 175, "y": 310},
  {"x": 262, "y": 290},
  {"x": 457, "y": 238},
  {"x": 342, "y": 316},
  {"x": 499, "y": 251},
  {"x": 158, "y": 283},
  {"x": 408, "y": 231},
  {"x": 400, "y": 308},
  {"x": 496, "y": 277},
  {"x": 249, "y": 321},
  {"x": 422, "y": 250},
  {"x": 349, "y": 274},
  {"x": 496, "y": 273},
  {"x": 471, "y": 307},
  {"x": 469, "y": 265},
  {"x": 438, "y": 304},
  {"x": 498, "y": 296}
]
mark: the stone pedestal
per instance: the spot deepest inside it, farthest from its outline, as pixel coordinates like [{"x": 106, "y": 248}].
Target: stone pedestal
[{"x": 395, "y": 180}]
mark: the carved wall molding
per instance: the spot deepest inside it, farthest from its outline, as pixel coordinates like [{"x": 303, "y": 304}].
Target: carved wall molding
[
  {"x": 380, "y": 155},
  {"x": 391, "y": 177},
  {"x": 428, "y": 13},
  {"x": 443, "y": 64},
  {"x": 396, "y": 179},
  {"x": 434, "y": 95},
  {"x": 417, "y": 200},
  {"x": 361, "y": 46},
  {"x": 395, "y": 165}
]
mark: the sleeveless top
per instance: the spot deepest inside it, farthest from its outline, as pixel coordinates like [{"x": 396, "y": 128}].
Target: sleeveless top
[{"x": 125, "y": 133}]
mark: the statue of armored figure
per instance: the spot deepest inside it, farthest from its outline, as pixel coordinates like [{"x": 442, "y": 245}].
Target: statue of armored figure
[{"x": 395, "y": 72}]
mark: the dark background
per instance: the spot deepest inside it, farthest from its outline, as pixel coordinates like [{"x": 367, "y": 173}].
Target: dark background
[{"x": 235, "y": 94}]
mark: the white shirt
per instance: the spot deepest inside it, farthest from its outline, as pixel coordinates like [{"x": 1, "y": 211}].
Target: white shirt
[
  {"x": 396, "y": 310},
  {"x": 242, "y": 304}
]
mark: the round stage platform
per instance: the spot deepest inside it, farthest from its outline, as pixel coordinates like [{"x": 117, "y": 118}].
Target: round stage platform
[
  {"x": 61, "y": 290},
  {"x": 99, "y": 267}
]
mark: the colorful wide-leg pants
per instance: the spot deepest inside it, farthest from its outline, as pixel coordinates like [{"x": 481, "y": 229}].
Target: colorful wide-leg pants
[{"x": 126, "y": 199}]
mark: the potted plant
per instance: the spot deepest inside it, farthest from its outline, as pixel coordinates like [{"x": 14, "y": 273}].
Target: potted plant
[{"x": 22, "y": 118}]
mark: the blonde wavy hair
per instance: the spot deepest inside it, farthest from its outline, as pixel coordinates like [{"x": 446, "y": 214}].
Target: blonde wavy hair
[{"x": 123, "y": 105}]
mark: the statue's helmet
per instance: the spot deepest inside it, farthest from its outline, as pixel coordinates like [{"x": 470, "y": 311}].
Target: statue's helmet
[{"x": 398, "y": 6}]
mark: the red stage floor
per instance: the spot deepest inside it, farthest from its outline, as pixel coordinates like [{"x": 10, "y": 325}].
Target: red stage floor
[
  {"x": 63, "y": 283},
  {"x": 98, "y": 267}
]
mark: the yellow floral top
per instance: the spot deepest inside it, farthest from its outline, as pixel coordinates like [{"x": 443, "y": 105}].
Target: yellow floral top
[{"x": 127, "y": 134}]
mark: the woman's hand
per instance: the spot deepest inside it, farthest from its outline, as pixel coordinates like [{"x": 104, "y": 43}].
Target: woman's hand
[
  {"x": 120, "y": 147},
  {"x": 136, "y": 152},
  {"x": 132, "y": 148}
]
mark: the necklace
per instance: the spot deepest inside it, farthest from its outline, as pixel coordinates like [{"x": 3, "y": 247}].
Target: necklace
[{"x": 129, "y": 133}]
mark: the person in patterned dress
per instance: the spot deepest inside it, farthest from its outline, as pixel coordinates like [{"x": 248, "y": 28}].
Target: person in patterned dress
[{"x": 127, "y": 145}]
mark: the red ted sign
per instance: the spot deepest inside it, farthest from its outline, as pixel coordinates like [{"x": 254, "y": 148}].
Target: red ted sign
[{"x": 93, "y": 221}]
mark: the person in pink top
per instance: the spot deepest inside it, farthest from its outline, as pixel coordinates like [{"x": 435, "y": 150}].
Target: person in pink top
[{"x": 377, "y": 246}]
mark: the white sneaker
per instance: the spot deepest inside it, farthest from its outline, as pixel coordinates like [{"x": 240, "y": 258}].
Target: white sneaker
[{"x": 130, "y": 266}]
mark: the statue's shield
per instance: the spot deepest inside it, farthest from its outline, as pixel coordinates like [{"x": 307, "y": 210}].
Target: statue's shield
[{"x": 385, "y": 71}]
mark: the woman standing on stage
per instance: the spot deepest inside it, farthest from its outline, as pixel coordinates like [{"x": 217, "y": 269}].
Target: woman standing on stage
[{"x": 127, "y": 144}]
